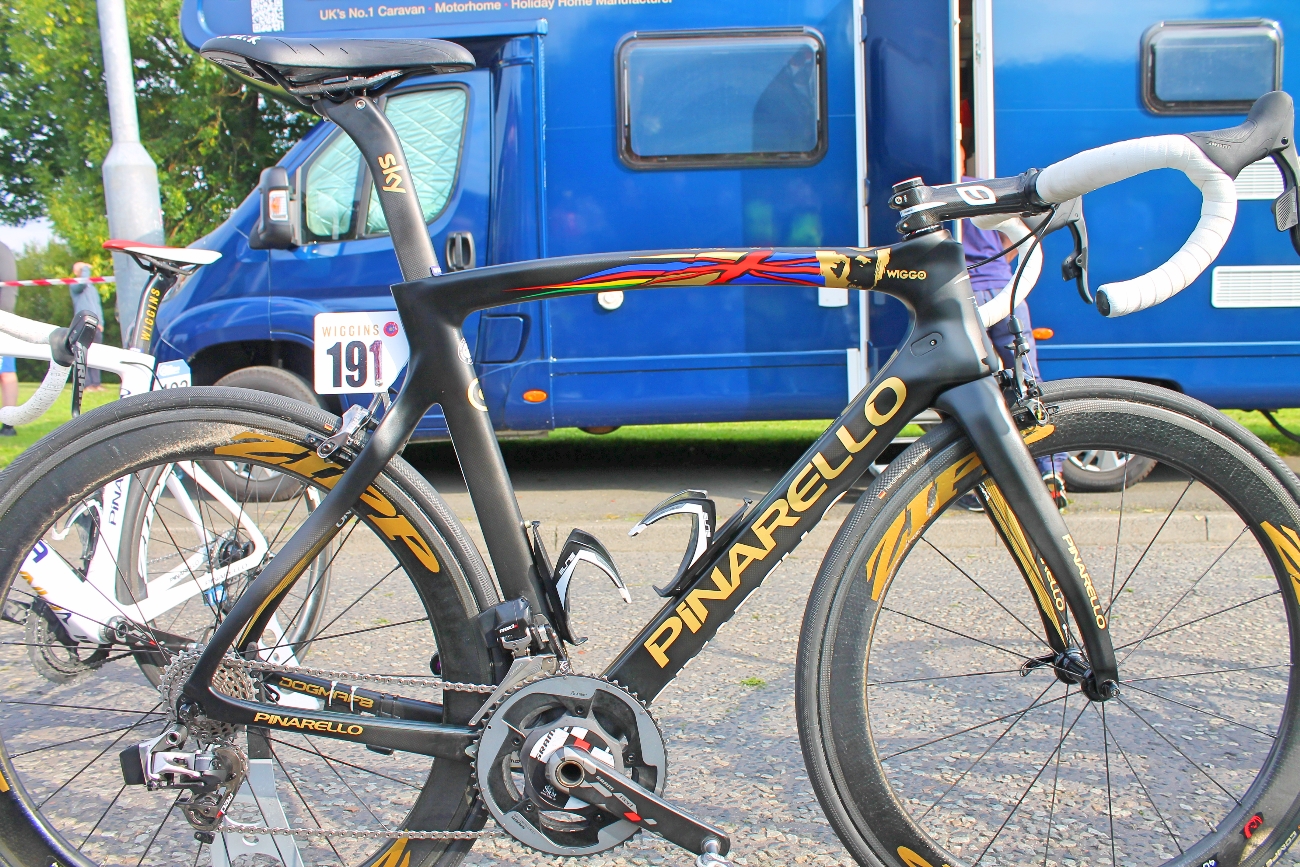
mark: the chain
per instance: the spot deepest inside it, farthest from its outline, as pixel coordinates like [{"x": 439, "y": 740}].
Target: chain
[
  {"x": 230, "y": 827},
  {"x": 433, "y": 682}
]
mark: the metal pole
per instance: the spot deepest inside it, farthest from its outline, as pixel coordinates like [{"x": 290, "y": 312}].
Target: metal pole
[{"x": 130, "y": 177}]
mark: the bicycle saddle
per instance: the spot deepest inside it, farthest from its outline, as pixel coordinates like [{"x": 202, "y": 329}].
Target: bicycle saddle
[
  {"x": 153, "y": 256},
  {"x": 325, "y": 66}
]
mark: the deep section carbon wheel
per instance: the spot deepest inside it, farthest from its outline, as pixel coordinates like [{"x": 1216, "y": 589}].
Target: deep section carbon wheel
[
  {"x": 934, "y": 735},
  {"x": 404, "y": 584}
]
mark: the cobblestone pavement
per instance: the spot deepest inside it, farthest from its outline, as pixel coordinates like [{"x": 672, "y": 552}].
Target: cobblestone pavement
[{"x": 729, "y": 718}]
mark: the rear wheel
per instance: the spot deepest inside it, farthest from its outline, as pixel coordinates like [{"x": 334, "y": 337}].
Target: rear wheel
[
  {"x": 400, "y": 592},
  {"x": 931, "y": 740}
]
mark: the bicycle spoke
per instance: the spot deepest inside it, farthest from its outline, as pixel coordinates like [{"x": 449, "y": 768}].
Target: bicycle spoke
[
  {"x": 95, "y": 827},
  {"x": 345, "y": 783},
  {"x": 1056, "y": 778},
  {"x": 943, "y": 677},
  {"x": 1147, "y": 549},
  {"x": 1177, "y": 749},
  {"x": 1130, "y": 681},
  {"x": 1036, "y": 635},
  {"x": 305, "y": 803},
  {"x": 158, "y": 830},
  {"x": 1212, "y": 715},
  {"x": 1119, "y": 531},
  {"x": 1194, "y": 620},
  {"x": 1141, "y": 785},
  {"x": 338, "y": 616},
  {"x": 967, "y": 730},
  {"x": 94, "y": 759},
  {"x": 995, "y": 742},
  {"x": 356, "y": 632},
  {"x": 90, "y": 737},
  {"x": 953, "y": 632},
  {"x": 1023, "y": 794},
  {"x": 336, "y": 760},
  {"x": 1110, "y": 803},
  {"x": 77, "y": 706}
]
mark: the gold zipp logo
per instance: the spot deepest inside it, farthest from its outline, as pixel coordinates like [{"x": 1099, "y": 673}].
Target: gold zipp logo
[
  {"x": 392, "y": 174},
  {"x": 805, "y": 489},
  {"x": 1287, "y": 544},
  {"x": 898, "y": 539},
  {"x": 311, "y": 725}
]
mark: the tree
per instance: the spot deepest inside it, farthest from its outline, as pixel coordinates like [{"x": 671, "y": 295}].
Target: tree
[{"x": 209, "y": 134}]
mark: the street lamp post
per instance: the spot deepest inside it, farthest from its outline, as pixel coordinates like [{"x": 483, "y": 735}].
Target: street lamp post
[{"x": 130, "y": 176}]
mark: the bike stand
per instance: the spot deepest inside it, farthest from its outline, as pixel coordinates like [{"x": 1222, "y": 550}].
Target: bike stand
[{"x": 258, "y": 789}]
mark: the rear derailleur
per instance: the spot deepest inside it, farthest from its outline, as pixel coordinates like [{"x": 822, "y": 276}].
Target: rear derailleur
[{"x": 209, "y": 777}]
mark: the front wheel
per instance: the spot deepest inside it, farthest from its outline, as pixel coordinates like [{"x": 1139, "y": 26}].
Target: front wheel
[
  {"x": 930, "y": 737},
  {"x": 405, "y": 584}
]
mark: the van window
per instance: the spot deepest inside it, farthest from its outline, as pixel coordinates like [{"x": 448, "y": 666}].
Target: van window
[
  {"x": 431, "y": 126},
  {"x": 1210, "y": 67},
  {"x": 331, "y": 198},
  {"x": 722, "y": 98}
]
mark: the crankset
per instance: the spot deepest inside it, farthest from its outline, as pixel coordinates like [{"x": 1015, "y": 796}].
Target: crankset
[{"x": 572, "y": 765}]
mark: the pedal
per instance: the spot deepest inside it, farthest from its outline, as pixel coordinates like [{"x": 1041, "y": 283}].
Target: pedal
[
  {"x": 579, "y": 774},
  {"x": 580, "y": 547},
  {"x": 704, "y": 538}
]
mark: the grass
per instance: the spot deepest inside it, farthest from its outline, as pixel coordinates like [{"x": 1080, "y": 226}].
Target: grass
[
  {"x": 771, "y": 444},
  {"x": 28, "y": 434},
  {"x": 1258, "y": 425},
  {"x": 754, "y": 682}
]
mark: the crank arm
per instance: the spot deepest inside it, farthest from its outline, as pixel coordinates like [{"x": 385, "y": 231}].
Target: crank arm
[{"x": 577, "y": 773}]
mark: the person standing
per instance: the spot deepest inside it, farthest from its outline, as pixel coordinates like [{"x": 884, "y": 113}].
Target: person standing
[
  {"x": 8, "y": 365},
  {"x": 85, "y": 296},
  {"x": 988, "y": 280}
]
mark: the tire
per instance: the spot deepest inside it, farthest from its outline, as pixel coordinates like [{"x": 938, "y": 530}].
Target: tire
[
  {"x": 263, "y": 484},
  {"x": 926, "y": 745},
  {"x": 62, "y": 798},
  {"x": 152, "y": 507},
  {"x": 1103, "y": 471}
]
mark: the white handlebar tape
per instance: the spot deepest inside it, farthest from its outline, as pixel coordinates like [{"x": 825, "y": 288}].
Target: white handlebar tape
[
  {"x": 1030, "y": 267},
  {"x": 1090, "y": 170},
  {"x": 26, "y": 329},
  {"x": 36, "y": 405}
]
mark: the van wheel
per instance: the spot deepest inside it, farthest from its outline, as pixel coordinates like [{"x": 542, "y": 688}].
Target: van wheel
[
  {"x": 258, "y": 483},
  {"x": 1098, "y": 472}
]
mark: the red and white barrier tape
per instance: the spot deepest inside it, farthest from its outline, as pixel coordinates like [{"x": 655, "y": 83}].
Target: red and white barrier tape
[{"x": 58, "y": 281}]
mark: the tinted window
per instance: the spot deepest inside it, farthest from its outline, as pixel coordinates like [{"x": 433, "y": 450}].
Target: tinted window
[
  {"x": 331, "y": 198},
  {"x": 710, "y": 99},
  {"x": 431, "y": 125},
  {"x": 1199, "y": 67}
]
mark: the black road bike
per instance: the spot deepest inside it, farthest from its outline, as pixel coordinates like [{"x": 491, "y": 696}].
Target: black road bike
[{"x": 1008, "y": 687}]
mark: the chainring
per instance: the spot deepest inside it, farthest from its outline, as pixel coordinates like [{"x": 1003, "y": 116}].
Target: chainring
[
  {"x": 229, "y": 679},
  {"x": 529, "y": 724}
]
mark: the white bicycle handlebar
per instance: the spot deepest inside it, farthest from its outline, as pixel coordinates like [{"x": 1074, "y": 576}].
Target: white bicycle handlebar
[
  {"x": 22, "y": 338},
  {"x": 1093, "y": 169},
  {"x": 1029, "y": 268}
]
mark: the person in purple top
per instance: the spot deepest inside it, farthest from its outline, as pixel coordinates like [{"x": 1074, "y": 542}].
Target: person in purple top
[{"x": 987, "y": 280}]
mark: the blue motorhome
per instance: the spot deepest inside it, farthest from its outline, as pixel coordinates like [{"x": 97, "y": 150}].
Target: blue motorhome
[{"x": 598, "y": 125}]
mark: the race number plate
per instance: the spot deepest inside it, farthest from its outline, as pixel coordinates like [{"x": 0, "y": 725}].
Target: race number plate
[
  {"x": 358, "y": 352},
  {"x": 172, "y": 374}
]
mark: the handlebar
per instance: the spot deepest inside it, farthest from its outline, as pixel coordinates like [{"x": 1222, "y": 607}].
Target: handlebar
[
  {"x": 1211, "y": 160},
  {"x": 32, "y": 332}
]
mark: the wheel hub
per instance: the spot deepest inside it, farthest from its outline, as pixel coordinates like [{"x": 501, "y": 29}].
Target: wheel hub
[{"x": 535, "y": 721}]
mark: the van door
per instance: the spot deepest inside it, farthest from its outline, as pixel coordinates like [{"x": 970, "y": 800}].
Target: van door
[{"x": 346, "y": 261}]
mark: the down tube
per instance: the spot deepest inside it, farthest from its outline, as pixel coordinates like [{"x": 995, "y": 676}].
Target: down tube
[{"x": 773, "y": 529}]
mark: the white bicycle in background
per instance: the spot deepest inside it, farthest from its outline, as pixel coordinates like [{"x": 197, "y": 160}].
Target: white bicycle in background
[{"x": 148, "y": 567}]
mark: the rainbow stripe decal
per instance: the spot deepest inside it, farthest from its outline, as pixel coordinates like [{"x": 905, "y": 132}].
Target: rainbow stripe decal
[{"x": 830, "y": 268}]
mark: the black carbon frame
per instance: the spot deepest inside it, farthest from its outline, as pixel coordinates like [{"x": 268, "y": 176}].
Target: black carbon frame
[{"x": 946, "y": 361}]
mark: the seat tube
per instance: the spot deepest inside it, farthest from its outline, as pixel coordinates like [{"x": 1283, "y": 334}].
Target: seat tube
[{"x": 982, "y": 413}]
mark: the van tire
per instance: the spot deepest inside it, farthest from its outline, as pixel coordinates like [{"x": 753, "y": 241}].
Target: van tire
[{"x": 264, "y": 486}]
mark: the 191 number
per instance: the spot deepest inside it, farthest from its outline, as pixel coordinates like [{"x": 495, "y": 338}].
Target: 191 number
[{"x": 355, "y": 356}]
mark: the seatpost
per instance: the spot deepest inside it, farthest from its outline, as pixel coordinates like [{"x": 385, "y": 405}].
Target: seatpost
[
  {"x": 363, "y": 120},
  {"x": 158, "y": 285}
]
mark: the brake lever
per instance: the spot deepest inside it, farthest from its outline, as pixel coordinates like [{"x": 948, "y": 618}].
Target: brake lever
[{"x": 1069, "y": 215}]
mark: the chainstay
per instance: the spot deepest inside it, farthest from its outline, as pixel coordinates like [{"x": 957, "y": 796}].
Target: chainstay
[{"x": 433, "y": 682}]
